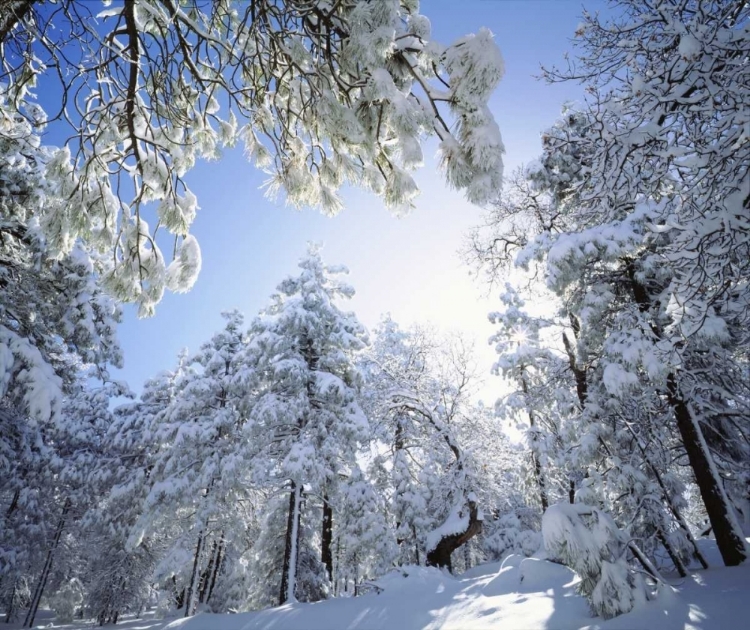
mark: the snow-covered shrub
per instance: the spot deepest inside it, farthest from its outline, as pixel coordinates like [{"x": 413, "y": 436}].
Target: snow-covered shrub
[
  {"x": 67, "y": 600},
  {"x": 588, "y": 541},
  {"x": 511, "y": 533}
]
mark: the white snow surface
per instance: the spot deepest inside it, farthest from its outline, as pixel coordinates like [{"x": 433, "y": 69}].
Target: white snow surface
[{"x": 518, "y": 593}]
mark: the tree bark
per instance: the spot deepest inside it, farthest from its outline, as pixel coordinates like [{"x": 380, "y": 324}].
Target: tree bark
[
  {"x": 538, "y": 473},
  {"x": 217, "y": 568},
  {"x": 289, "y": 568},
  {"x": 730, "y": 542},
  {"x": 326, "y": 538},
  {"x": 440, "y": 556},
  {"x": 189, "y": 596},
  {"x": 39, "y": 591}
]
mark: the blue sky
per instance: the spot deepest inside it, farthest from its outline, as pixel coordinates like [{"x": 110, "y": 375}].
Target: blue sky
[{"x": 408, "y": 266}]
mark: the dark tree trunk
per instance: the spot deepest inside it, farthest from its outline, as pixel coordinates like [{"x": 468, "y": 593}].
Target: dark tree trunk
[
  {"x": 39, "y": 591},
  {"x": 326, "y": 538},
  {"x": 572, "y": 492},
  {"x": 217, "y": 568},
  {"x": 676, "y": 561},
  {"x": 731, "y": 544},
  {"x": 289, "y": 568},
  {"x": 538, "y": 472},
  {"x": 11, "y": 604},
  {"x": 190, "y": 594},
  {"x": 206, "y": 574},
  {"x": 13, "y": 504},
  {"x": 440, "y": 556}
]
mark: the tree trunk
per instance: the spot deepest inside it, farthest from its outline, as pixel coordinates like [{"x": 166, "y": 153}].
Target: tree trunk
[
  {"x": 13, "y": 504},
  {"x": 39, "y": 591},
  {"x": 538, "y": 473},
  {"x": 440, "y": 556},
  {"x": 206, "y": 573},
  {"x": 289, "y": 568},
  {"x": 189, "y": 595},
  {"x": 678, "y": 564},
  {"x": 728, "y": 536},
  {"x": 217, "y": 567},
  {"x": 572, "y": 492},
  {"x": 645, "y": 562},
  {"x": 11, "y": 603},
  {"x": 467, "y": 557},
  {"x": 326, "y": 538}
]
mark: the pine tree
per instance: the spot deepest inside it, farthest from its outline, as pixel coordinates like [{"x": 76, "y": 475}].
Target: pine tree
[
  {"x": 198, "y": 483},
  {"x": 305, "y": 418}
]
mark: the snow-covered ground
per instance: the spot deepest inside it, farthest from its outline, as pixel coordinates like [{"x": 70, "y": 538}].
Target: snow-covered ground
[{"x": 515, "y": 594}]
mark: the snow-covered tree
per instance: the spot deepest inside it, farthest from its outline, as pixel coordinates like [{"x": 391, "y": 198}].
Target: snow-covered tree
[
  {"x": 419, "y": 395},
  {"x": 52, "y": 313},
  {"x": 667, "y": 185},
  {"x": 305, "y": 419},
  {"x": 619, "y": 441},
  {"x": 119, "y": 576},
  {"x": 587, "y": 540},
  {"x": 198, "y": 484},
  {"x": 321, "y": 94}
]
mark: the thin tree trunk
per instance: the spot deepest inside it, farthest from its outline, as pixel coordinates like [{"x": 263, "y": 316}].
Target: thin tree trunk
[
  {"x": 289, "y": 568},
  {"x": 13, "y": 503},
  {"x": 217, "y": 567},
  {"x": 189, "y": 596},
  {"x": 572, "y": 492},
  {"x": 672, "y": 507},
  {"x": 645, "y": 562},
  {"x": 39, "y": 591},
  {"x": 11, "y": 603},
  {"x": 416, "y": 544},
  {"x": 679, "y": 564},
  {"x": 337, "y": 582},
  {"x": 538, "y": 473},
  {"x": 206, "y": 574},
  {"x": 326, "y": 538}
]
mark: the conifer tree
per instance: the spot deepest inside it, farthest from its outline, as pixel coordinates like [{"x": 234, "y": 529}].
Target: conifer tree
[{"x": 305, "y": 416}]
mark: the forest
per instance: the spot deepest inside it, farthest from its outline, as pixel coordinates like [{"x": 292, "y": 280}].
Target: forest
[{"x": 297, "y": 456}]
